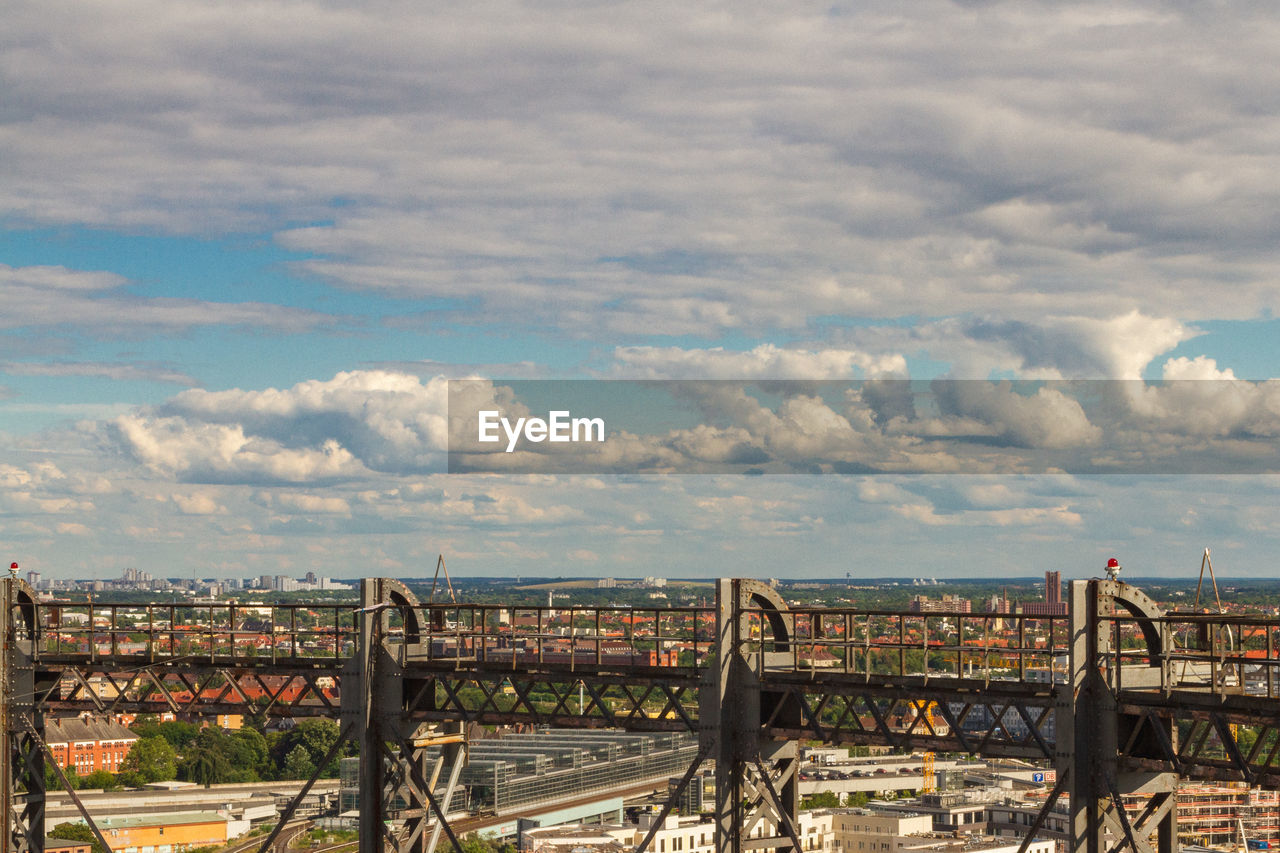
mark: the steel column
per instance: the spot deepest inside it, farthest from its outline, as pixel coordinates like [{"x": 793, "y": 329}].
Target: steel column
[
  {"x": 756, "y": 776},
  {"x": 397, "y": 776},
  {"x": 1088, "y": 729},
  {"x": 21, "y": 756}
]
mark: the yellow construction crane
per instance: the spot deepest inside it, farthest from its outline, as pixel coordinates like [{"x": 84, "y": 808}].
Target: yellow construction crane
[{"x": 930, "y": 779}]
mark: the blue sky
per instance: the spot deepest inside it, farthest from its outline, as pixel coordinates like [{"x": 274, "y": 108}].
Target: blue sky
[{"x": 242, "y": 248}]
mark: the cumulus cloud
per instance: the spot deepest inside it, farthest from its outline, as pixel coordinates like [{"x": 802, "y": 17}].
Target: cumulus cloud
[
  {"x": 1118, "y": 347},
  {"x": 1196, "y": 398},
  {"x": 42, "y": 488},
  {"x": 1053, "y": 346},
  {"x": 363, "y": 423},
  {"x": 329, "y": 428},
  {"x": 884, "y": 426},
  {"x": 216, "y": 453},
  {"x": 1046, "y": 419},
  {"x": 396, "y": 523}
]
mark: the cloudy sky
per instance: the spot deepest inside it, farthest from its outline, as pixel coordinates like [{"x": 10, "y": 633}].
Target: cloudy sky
[{"x": 243, "y": 247}]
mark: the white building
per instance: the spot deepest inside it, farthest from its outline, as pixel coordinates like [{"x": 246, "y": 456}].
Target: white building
[{"x": 820, "y": 831}]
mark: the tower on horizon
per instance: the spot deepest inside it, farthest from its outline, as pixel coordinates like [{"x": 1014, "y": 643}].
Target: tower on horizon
[{"x": 1053, "y": 587}]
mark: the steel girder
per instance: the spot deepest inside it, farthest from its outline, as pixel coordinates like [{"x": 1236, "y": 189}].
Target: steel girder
[
  {"x": 561, "y": 698},
  {"x": 189, "y": 688},
  {"x": 994, "y": 719},
  {"x": 1123, "y": 724},
  {"x": 1234, "y": 738}
]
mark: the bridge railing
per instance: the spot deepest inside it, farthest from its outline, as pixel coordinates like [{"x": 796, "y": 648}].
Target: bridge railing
[
  {"x": 568, "y": 636},
  {"x": 219, "y": 633},
  {"x": 1223, "y": 654},
  {"x": 985, "y": 646}
]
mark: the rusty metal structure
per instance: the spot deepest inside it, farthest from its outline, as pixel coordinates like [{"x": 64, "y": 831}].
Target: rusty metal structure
[{"x": 1118, "y": 696}]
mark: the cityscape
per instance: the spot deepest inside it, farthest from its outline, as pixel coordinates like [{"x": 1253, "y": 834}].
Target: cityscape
[{"x": 540, "y": 788}]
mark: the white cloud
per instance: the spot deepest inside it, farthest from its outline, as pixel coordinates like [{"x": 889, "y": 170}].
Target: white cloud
[
  {"x": 943, "y": 426},
  {"x": 1053, "y": 346},
  {"x": 666, "y": 167},
  {"x": 103, "y": 370},
  {"x": 97, "y": 301},
  {"x": 766, "y": 361},
  {"x": 307, "y": 504},
  {"x": 1196, "y": 398},
  {"x": 215, "y": 453},
  {"x": 1046, "y": 419},
  {"x": 198, "y": 503},
  {"x": 357, "y": 419}
]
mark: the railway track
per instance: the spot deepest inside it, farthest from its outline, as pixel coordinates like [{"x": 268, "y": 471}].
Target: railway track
[{"x": 291, "y": 830}]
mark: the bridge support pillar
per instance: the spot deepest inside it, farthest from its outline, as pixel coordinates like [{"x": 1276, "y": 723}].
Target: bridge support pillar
[
  {"x": 21, "y": 752},
  {"x": 1088, "y": 733},
  {"x": 402, "y": 808},
  {"x": 757, "y": 780}
]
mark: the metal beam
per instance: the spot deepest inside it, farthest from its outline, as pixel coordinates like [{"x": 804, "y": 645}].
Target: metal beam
[{"x": 768, "y": 677}]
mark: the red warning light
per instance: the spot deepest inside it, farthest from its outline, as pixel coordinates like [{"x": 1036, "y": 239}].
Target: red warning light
[{"x": 1113, "y": 563}]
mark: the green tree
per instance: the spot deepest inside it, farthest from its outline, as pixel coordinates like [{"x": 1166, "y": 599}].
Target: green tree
[
  {"x": 317, "y": 736},
  {"x": 53, "y": 783},
  {"x": 77, "y": 832},
  {"x": 246, "y": 749},
  {"x": 298, "y": 765},
  {"x": 821, "y": 800},
  {"x": 176, "y": 732},
  {"x": 151, "y": 759},
  {"x": 100, "y": 779},
  {"x": 475, "y": 844},
  {"x": 205, "y": 761}
]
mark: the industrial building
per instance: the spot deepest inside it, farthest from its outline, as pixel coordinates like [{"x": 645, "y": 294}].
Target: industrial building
[
  {"x": 518, "y": 771},
  {"x": 169, "y": 833}
]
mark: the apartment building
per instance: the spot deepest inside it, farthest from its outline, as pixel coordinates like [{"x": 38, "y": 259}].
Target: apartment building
[{"x": 86, "y": 745}]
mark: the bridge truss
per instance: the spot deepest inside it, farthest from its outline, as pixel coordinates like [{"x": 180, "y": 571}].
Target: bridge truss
[{"x": 1119, "y": 696}]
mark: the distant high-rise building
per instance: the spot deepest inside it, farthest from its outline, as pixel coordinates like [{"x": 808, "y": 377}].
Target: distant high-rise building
[
  {"x": 948, "y": 604},
  {"x": 1053, "y": 605}
]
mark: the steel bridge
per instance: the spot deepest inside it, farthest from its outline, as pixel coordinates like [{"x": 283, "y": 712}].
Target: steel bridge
[{"x": 1119, "y": 697}]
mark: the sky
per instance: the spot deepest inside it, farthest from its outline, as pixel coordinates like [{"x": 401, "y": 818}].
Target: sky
[{"x": 245, "y": 247}]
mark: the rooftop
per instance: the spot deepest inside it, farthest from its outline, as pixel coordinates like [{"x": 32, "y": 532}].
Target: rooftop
[{"x": 173, "y": 819}]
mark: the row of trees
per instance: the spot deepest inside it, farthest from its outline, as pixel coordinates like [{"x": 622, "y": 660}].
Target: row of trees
[{"x": 209, "y": 756}]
